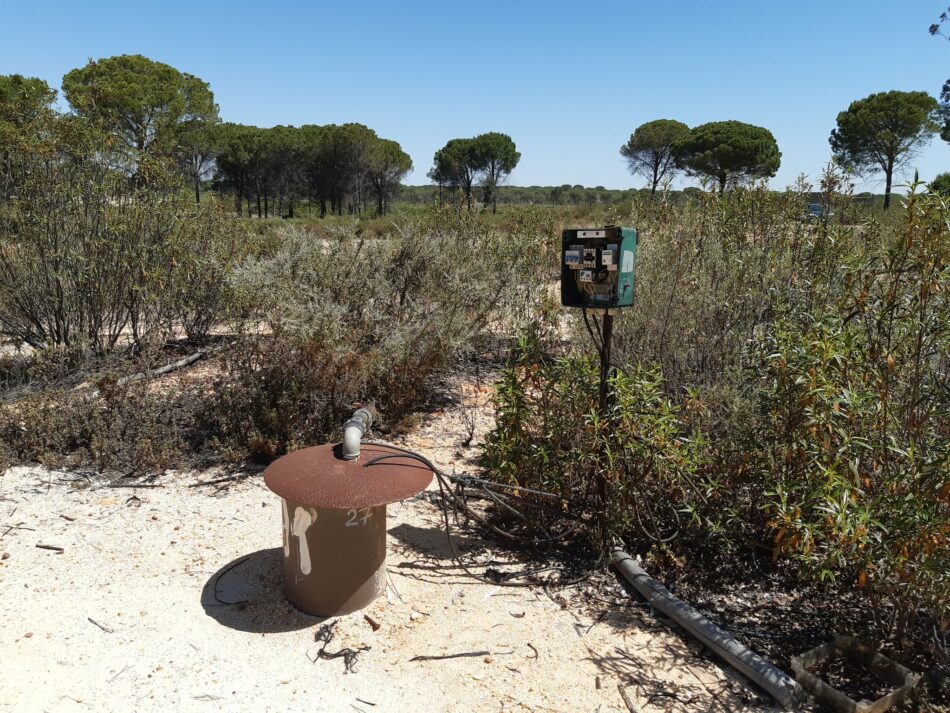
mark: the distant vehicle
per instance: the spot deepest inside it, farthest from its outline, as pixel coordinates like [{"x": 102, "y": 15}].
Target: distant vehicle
[{"x": 816, "y": 211}]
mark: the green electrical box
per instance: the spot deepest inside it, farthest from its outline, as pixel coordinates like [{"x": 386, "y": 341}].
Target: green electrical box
[{"x": 597, "y": 267}]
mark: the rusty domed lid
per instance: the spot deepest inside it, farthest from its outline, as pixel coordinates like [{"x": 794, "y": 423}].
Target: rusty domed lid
[{"x": 320, "y": 477}]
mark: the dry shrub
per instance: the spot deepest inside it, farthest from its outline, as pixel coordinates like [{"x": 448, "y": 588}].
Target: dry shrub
[
  {"x": 92, "y": 259},
  {"x": 343, "y": 320},
  {"x": 125, "y": 429}
]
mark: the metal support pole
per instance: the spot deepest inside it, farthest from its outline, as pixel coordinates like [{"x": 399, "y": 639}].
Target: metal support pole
[
  {"x": 606, "y": 336},
  {"x": 604, "y": 403}
]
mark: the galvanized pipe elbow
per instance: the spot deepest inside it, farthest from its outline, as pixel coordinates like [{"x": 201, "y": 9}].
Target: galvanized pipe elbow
[{"x": 354, "y": 430}]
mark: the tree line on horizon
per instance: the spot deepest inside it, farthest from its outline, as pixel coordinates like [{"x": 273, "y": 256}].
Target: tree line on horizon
[
  {"x": 340, "y": 168},
  {"x": 486, "y": 160},
  {"x": 144, "y": 112},
  {"x": 879, "y": 133},
  {"x": 567, "y": 195},
  {"x": 151, "y": 112}
]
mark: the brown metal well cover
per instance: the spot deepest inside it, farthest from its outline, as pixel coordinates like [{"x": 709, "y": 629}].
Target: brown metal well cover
[{"x": 320, "y": 477}]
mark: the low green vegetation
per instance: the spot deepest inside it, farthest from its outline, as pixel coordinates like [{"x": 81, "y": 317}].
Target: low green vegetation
[{"x": 340, "y": 321}]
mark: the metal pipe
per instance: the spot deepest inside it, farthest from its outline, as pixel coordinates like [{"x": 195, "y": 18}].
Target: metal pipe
[
  {"x": 776, "y": 682},
  {"x": 353, "y": 432}
]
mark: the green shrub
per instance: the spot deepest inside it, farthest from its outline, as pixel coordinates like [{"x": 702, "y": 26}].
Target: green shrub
[
  {"x": 92, "y": 259},
  {"x": 710, "y": 273},
  {"x": 856, "y": 407},
  {"x": 193, "y": 275},
  {"x": 780, "y": 382},
  {"x": 550, "y": 435}
]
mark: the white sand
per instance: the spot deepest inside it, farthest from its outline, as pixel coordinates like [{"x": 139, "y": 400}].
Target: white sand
[{"x": 143, "y": 564}]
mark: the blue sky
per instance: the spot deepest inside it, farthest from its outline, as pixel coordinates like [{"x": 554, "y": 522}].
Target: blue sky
[{"x": 569, "y": 81}]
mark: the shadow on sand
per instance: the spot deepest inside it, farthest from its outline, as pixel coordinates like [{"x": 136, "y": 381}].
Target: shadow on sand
[{"x": 247, "y": 594}]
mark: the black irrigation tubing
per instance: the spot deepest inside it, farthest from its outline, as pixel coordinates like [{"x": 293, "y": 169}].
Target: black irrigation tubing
[
  {"x": 497, "y": 497},
  {"x": 447, "y": 496},
  {"x": 461, "y": 479},
  {"x": 487, "y": 486},
  {"x": 457, "y": 501},
  {"x": 480, "y": 578},
  {"x": 546, "y": 508},
  {"x": 217, "y": 579},
  {"x": 506, "y": 506}
]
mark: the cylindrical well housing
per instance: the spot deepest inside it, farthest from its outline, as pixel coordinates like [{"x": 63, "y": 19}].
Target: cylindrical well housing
[
  {"x": 334, "y": 560},
  {"x": 334, "y": 515}
]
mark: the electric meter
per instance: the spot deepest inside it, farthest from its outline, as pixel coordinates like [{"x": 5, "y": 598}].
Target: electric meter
[{"x": 597, "y": 267}]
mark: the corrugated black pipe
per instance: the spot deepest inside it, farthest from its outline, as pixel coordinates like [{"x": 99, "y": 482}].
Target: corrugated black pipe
[{"x": 778, "y": 684}]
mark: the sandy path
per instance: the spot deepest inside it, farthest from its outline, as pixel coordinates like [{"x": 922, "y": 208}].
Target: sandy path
[{"x": 125, "y": 618}]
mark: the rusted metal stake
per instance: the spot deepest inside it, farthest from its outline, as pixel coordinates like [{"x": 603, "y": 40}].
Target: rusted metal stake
[
  {"x": 607, "y": 331},
  {"x": 604, "y": 402}
]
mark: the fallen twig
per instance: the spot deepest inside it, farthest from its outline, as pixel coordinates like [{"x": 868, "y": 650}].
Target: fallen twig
[
  {"x": 16, "y": 527},
  {"x": 104, "y": 628},
  {"x": 167, "y": 369},
  {"x": 597, "y": 620},
  {"x": 151, "y": 373},
  {"x": 127, "y": 667},
  {"x": 465, "y": 654},
  {"x": 667, "y": 694},
  {"x": 55, "y": 548},
  {"x": 325, "y": 634},
  {"x": 629, "y": 699},
  {"x": 161, "y": 371}
]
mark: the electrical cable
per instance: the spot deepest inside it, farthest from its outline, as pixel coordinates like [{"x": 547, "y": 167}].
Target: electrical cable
[
  {"x": 597, "y": 344},
  {"x": 457, "y": 502},
  {"x": 460, "y": 479},
  {"x": 443, "y": 478}
]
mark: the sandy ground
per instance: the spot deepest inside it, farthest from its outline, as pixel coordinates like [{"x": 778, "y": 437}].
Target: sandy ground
[{"x": 128, "y": 617}]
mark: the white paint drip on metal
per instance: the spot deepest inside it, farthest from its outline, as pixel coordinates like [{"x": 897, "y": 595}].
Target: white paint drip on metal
[
  {"x": 303, "y": 519},
  {"x": 286, "y": 524}
]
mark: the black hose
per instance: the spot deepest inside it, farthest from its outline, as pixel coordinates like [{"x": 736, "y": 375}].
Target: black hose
[{"x": 457, "y": 502}]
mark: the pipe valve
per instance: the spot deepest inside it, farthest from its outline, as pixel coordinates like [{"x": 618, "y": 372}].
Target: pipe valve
[{"x": 354, "y": 430}]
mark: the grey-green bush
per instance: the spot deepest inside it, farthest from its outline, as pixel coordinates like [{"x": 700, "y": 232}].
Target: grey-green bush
[{"x": 339, "y": 320}]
